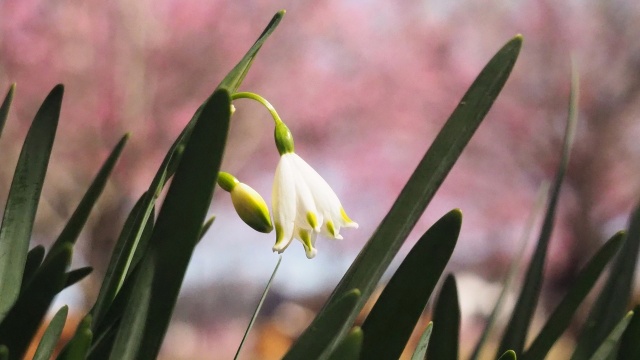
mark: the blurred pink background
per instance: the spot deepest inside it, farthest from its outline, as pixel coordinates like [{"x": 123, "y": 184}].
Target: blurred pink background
[{"x": 364, "y": 87}]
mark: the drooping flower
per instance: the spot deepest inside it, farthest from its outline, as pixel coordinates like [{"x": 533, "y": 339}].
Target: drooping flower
[
  {"x": 303, "y": 203},
  {"x": 248, "y": 203}
]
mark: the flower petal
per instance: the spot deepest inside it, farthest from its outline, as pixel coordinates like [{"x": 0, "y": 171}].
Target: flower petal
[
  {"x": 284, "y": 204},
  {"x": 308, "y": 239}
]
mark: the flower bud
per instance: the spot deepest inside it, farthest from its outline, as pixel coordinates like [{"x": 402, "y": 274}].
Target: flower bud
[{"x": 249, "y": 205}]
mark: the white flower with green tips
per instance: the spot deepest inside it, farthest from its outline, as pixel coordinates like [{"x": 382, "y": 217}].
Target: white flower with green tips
[{"x": 303, "y": 203}]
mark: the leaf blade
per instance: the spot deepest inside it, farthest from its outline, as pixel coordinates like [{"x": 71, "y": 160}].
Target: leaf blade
[
  {"x": 446, "y": 322},
  {"x": 349, "y": 348},
  {"x": 629, "y": 345},
  {"x": 6, "y": 104},
  {"x": 24, "y": 194},
  {"x": 180, "y": 221},
  {"x": 51, "y": 335},
  {"x": 377, "y": 254},
  {"x": 561, "y": 317},
  {"x": 74, "y": 226},
  {"x": 516, "y": 331},
  {"x": 613, "y": 300},
  {"x": 512, "y": 271},
  {"x": 392, "y": 319},
  {"x": 420, "y": 352},
  {"x": 610, "y": 344},
  {"x": 328, "y": 323}
]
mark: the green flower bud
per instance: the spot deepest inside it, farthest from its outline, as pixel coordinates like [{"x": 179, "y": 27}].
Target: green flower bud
[
  {"x": 284, "y": 139},
  {"x": 251, "y": 208},
  {"x": 249, "y": 205}
]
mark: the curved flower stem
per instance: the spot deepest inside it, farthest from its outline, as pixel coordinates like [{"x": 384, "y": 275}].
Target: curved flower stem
[
  {"x": 255, "y": 313},
  {"x": 261, "y": 100}
]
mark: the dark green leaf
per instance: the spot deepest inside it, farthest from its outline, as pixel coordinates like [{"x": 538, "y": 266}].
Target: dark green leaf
[
  {"x": 563, "y": 314},
  {"x": 518, "y": 326},
  {"x": 34, "y": 259},
  {"x": 77, "y": 275},
  {"x": 4, "y": 352},
  {"x": 130, "y": 335},
  {"x": 391, "y": 321},
  {"x": 614, "y": 298},
  {"x": 52, "y": 335},
  {"x": 328, "y": 325},
  {"x": 235, "y": 77},
  {"x": 179, "y": 223},
  {"x": 119, "y": 262},
  {"x": 446, "y": 323},
  {"x": 629, "y": 344},
  {"x": 608, "y": 348},
  {"x": 143, "y": 242},
  {"x": 349, "y": 347},
  {"x": 78, "y": 346},
  {"x": 173, "y": 157},
  {"x": 74, "y": 226},
  {"x": 22, "y": 202},
  {"x": 6, "y": 104},
  {"x": 373, "y": 260},
  {"x": 423, "y": 344},
  {"x": 508, "y": 355},
  {"x": 24, "y": 318},
  {"x": 513, "y": 270}
]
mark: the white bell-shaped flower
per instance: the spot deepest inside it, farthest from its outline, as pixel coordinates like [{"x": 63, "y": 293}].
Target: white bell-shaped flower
[{"x": 304, "y": 205}]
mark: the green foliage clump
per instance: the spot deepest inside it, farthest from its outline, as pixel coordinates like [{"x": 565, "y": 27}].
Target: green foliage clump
[{"x": 132, "y": 312}]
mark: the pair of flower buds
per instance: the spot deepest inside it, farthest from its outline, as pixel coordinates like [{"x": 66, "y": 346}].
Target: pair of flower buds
[{"x": 303, "y": 204}]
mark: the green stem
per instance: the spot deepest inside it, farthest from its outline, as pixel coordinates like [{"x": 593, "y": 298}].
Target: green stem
[
  {"x": 255, "y": 313},
  {"x": 261, "y": 100}
]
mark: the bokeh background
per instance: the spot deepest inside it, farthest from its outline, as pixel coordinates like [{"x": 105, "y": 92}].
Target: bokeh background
[{"x": 364, "y": 87}]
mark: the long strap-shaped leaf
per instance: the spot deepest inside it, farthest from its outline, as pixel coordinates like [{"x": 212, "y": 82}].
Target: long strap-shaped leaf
[
  {"x": 508, "y": 355},
  {"x": 22, "y": 202},
  {"x": 375, "y": 257},
  {"x": 328, "y": 324},
  {"x": 563, "y": 314},
  {"x": 77, "y": 275},
  {"x": 232, "y": 81},
  {"x": 179, "y": 225},
  {"x": 6, "y": 104},
  {"x": 22, "y": 322},
  {"x": 446, "y": 323},
  {"x": 74, "y": 226},
  {"x": 614, "y": 298},
  {"x": 169, "y": 165},
  {"x": 516, "y": 330},
  {"x": 116, "y": 270},
  {"x": 397, "y": 311},
  {"x": 514, "y": 268},
  {"x": 34, "y": 260},
  {"x": 629, "y": 344},
  {"x": 420, "y": 352},
  {"x": 51, "y": 336},
  {"x": 78, "y": 347},
  {"x": 607, "y": 349},
  {"x": 349, "y": 348}
]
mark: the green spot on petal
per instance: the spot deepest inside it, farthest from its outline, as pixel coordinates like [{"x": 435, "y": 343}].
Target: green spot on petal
[
  {"x": 331, "y": 228},
  {"x": 306, "y": 239},
  {"x": 344, "y": 216},
  {"x": 279, "y": 233},
  {"x": 312, "y": 220}
]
